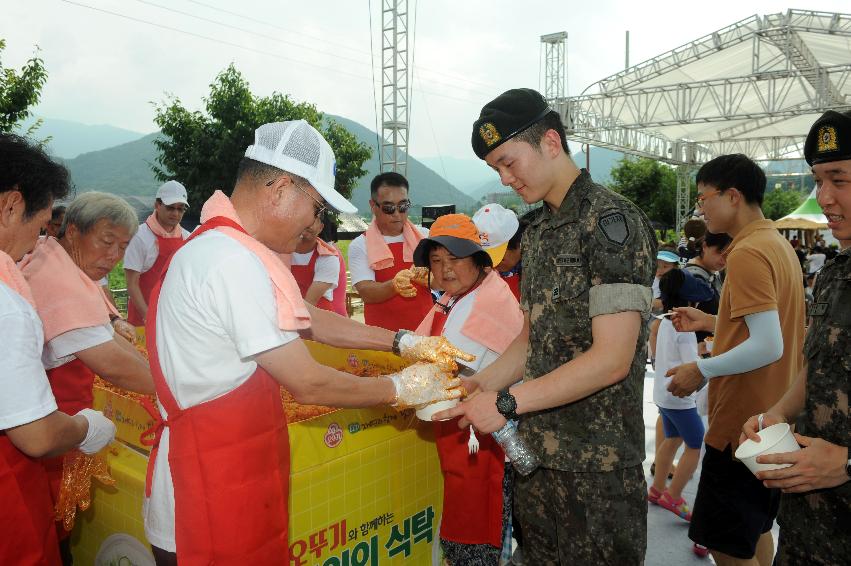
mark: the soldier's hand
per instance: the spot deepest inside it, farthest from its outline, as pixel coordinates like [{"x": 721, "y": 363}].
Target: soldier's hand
[
  {"x": 689, "y": 319},
  {"x": 685, "y": 379},
  {"x": 402, "y": 284},
  {"x": 751, "y": 428},
  {"x": 478, "y": 410},
  {"x": 818, "y": 465}
]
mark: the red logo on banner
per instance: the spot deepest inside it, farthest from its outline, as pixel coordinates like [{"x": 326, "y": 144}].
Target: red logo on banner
[{"x": 333, "y": 436}]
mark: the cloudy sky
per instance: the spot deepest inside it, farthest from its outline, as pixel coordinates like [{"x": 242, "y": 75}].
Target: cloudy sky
[{"x": 110, "y": 60}]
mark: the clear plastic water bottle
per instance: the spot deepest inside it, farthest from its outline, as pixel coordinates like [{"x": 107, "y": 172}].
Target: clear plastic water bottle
[{"x": 524, "y": 460}]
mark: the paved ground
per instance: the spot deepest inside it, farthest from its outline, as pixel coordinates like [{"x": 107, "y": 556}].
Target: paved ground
[{"x": 667, "y": 535}]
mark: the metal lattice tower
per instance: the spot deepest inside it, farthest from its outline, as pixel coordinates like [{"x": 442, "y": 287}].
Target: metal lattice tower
[
  {"x": 394, "y": 86},
  {"x": 555, "y": 66},
  {"x": 684, "y": 201}
]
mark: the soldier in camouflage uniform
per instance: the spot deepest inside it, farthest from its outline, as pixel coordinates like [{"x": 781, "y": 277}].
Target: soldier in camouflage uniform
[
  {"x": 589, "y": 258},
  {"x": 815, "y": 508}
]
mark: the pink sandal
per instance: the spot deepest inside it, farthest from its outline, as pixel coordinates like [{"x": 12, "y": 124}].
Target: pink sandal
[
  {"x": 678, "y": 507},
  {"x": 653, "y": 495}
]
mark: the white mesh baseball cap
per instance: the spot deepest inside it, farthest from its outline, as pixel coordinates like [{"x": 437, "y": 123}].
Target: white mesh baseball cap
[
  {"x": 496, "y": 225},
  {"x": 296, "y": 147},
  {"x": 172, "y": 192}
]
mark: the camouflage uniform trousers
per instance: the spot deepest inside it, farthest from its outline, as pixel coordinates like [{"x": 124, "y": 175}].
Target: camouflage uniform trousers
[{"x": 578, "y": 518}]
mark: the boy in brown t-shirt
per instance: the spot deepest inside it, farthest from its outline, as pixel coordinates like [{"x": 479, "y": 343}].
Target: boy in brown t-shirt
[{"x": 757, "y": 354}]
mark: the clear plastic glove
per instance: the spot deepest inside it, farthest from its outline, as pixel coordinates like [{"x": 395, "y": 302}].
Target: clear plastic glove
[
  {"x": 75, "y": 490},
  {"x": 419, "y": 276},
  {"x": 420, "y": 384},
  {"x": 124, "y": 329},
  {"x": 402, "y": 284},
  {"x": 101, "y": 432},
  {"x": 435, "y": 349}
]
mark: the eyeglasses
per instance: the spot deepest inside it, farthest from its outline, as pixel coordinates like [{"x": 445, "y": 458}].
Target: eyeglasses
[
  {"x": 175, "y": 208},
  {"x": 701, "y": 198},
  {"x": 320, "y": 207},
  {"x": 402, "y": 207}
]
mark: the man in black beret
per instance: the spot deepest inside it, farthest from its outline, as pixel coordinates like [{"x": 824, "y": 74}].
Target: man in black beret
[
  {"x": 815, "y": 508},
  {"x": 588, "y": 265}
]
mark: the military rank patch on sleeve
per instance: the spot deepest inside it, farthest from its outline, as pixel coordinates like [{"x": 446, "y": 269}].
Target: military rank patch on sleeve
[{"x": 614, "y": 227}]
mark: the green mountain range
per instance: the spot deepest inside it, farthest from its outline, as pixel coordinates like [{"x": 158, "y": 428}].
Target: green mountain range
[{"x": 125, "y": 170}]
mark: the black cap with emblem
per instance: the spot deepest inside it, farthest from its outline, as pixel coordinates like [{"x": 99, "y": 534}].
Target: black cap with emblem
[
  {"x": 506, "y": 116},
  {"x": 829, "y": 138}
]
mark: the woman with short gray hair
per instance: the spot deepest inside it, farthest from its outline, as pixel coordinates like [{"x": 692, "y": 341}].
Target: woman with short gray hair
[
  {"x": 79, "y": 338},
  {"x": 90, "y": 208}
]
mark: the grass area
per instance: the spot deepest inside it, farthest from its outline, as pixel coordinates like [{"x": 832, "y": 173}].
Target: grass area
[
  {"x": 344, "y": 247},
  {"x": 116, "y": 277}
]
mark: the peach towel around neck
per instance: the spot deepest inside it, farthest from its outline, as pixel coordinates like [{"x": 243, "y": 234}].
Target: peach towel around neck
[
  {"x": 14, "y": 279},
  {"x": 65, "y": 298},
  {"x": 378, "y": 253},
  {"x": 158, "y": 230},
  {"x": 495, "y": 319},
  {"x": 292, "y": 312}
]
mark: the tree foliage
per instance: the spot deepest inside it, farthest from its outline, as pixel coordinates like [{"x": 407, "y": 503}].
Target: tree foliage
[
  {"x": 780, "y": 202},
  {"x": 203, "y": 149},
  {"x": 19, "y": 91},
  {"x": 649, "y": 184}
]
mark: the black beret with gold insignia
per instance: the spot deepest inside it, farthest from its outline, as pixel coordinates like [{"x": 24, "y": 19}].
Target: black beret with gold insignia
[
  {"x": 829, "y": 138},
  {"x": 506, "y": 116}
]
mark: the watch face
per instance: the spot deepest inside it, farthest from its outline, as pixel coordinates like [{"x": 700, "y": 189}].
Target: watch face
[{"x": 505, "y": 403}]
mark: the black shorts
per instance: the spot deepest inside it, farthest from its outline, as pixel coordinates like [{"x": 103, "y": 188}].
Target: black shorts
[{"x": 732, "y": 508}]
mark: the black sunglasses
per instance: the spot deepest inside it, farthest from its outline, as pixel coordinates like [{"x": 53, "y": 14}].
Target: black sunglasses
[{"x": 402, "y": 207}]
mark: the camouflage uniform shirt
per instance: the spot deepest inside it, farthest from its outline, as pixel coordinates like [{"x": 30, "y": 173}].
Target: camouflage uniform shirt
[
  {"x": 595, "y": 255},
  {"x": 814, "y": 525}
]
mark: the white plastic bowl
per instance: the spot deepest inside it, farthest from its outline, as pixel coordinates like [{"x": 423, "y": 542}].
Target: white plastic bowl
[
  {"x": 775, "y": 439},
  {"x": 426, "y": 412}
]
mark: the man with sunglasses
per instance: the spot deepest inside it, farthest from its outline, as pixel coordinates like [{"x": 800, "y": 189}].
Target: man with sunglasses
[
  {"x": 759, "y": 335},
  {"x": 158, "y": 237},
  {"x": 223, "y": 334},
  {"x": 380, "y": 259}
]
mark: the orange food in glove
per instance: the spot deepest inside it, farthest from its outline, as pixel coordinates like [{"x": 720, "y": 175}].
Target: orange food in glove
[
  {"x": 402, "y": 284},
  {"x": 421, "y": 384},
  {"x": 435, "y": 349},
  {"x": 75, "y": 491}
]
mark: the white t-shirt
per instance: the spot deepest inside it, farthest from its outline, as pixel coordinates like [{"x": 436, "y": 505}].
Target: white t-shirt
[
  {"x": 26, "y": 394},
  {"x": 359, "y": 268},
  {"x": 216, "y": 312},
  {"x": 452, "y": 331},
  {"x": 142, "y": 251},
  {"x": 61, "y": 349},
  {"x": 672, "y": 349},
  {"x": 326, "y": 270}
]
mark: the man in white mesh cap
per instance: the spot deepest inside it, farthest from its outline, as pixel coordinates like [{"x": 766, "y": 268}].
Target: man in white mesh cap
[{"x": 223, "y": 333}]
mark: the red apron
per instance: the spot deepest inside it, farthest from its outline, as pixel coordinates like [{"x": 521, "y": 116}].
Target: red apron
[
  {"x": 472, "y": 483},
  {"x": 230, "y": 463},
  {"x": 397, "y": 312},
  {"x": 513, "y": 280},
  {"x": 147, "y": 280},
  {"x": 303, "y": 275},
  {"x": 27, "y": 534},
  {"x": 72, "y": 385}
]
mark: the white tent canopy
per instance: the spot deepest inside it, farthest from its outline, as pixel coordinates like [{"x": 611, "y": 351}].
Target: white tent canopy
[{"x": 754, "y": 87}]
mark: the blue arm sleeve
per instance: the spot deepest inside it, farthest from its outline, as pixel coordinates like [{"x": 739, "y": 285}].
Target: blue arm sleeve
[{"x": 764, "y": 346}]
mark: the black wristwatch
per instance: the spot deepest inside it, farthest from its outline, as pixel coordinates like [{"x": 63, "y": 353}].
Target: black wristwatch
[
  {"x": 506, "y": 404},
  {"x": 848, "y": 465}
]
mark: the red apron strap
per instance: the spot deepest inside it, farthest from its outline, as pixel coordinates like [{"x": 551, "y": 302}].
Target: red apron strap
[{"x": 164, "y": 393}]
